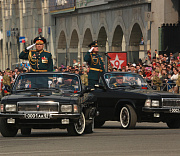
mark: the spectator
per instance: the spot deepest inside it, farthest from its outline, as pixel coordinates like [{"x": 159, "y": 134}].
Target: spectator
[
  {"x": 156, "y": 55},
  {"x": 175, "y": 75},
  {"x": 76, "y": 71},
  {"x": 156, "y": 81},
  {"x": 114, "y": 69},
  {"x": 75, "y": 63}
]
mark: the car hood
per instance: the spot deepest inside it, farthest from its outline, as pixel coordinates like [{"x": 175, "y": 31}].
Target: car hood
[
  {"x": 150, "y": 93},
  {"x": 41, "y": 96}
]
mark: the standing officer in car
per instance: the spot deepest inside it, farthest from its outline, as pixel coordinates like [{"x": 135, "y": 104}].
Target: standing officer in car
[
  {"x": 39, "y": 59},
  {"x": 95, "y": 62}
]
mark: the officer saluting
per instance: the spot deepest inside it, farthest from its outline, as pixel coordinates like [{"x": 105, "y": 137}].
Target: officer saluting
[
  {"x": 95, "y": 62},
  {"x": 39, "y": 59}
]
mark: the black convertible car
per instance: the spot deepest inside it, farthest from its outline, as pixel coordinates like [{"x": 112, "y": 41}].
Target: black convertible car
[
  {"x": 126, "y": 97},
  {"x": 45, "y": 101}
]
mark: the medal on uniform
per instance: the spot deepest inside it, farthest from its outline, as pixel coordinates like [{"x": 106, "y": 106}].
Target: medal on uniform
[
  {"x": 34, "y": 56},
  {"x": 44, "y": 59}
]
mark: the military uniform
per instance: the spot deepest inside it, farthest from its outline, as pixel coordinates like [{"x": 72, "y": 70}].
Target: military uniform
[
  {"x": 178, "y": 85},
  {"x": 178, "y": 81},
  {"x": 6, "y": 80},
  {"x": 114, "y": 85},
  {"x": 84, "y": 79},
  {"x": 6, "y": 83},
  {"x": 156, "y": 81},
  {"x": 96, "y": 64},
  {"x": 40, "y": 61}
]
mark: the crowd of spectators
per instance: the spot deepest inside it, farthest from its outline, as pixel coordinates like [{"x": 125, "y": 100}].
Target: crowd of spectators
[{"x": 166, "y": 68}]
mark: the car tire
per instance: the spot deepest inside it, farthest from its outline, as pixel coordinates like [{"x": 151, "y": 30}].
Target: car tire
[
  {"x": 128, "y": 117},
  {"x": 89, "y": 128},
  {"x": 173, "y": 123},
  {"x": 6, "y": 129},
  {"x": 77, "y": 128},
  {"x": 26, "y": 131},
  {"x": 98, "y": 124}
]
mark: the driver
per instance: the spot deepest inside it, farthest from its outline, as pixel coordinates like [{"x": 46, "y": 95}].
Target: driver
[{"x": 119, "y": 81}]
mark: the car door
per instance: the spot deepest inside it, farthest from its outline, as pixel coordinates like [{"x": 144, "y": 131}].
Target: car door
[{"x": 106, "y": 101}]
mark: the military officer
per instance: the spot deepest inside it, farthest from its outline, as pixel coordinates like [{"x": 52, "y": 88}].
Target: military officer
[
  {"x": 95, "y": 62},
  {"x": 156, "y": 80},
  {"x": 119, "y": 82},
  {"x": 39, "y": 59}
]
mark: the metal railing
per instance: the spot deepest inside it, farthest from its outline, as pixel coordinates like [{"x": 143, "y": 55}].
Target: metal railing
[{"x": 168, "y": 86}]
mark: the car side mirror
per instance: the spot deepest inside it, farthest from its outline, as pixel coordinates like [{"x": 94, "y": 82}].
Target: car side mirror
[
  {"x": 87, "y": 89},
  {"x": 99, "y": 86}
]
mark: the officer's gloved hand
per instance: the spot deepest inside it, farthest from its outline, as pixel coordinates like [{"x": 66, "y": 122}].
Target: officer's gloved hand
[
  {"x": 29, "y": 47},
  {"x": 91, "y": 49}
]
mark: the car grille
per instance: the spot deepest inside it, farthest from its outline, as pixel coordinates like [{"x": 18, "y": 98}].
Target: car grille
[
  {"x": 171, "y": 102},
  {"x": 38, "y": 106}
]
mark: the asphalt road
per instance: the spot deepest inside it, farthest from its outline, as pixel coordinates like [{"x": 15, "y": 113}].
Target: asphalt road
[{"x": 110, "y": 140}]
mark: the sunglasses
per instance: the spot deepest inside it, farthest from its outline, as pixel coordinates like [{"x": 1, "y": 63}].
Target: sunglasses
[{"x": 39, "y": 44}]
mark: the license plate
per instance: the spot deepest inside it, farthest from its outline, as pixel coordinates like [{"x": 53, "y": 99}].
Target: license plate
[
  {"x": 37, "y": 116},
  {"x": 174, "y": 110}
]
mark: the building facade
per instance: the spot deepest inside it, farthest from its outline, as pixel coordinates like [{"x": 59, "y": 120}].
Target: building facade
[{"x": 69, "y": 26}]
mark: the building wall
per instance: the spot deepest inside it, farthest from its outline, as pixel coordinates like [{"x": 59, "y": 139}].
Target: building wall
[
  {"x": 164, "y": 11},
  {"x": 117, "y": 25},
  {"x": 102, "y": 26}
]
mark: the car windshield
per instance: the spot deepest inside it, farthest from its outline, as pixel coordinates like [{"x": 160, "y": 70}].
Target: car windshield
[
  {"x": 120, "y": 80},
  {"x": 44, "y": 81}
]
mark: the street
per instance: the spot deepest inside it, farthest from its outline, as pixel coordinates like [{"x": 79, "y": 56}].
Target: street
[{"x": 110, "y": 140}]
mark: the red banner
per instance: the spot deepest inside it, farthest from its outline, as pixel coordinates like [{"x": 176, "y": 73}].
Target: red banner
[{"x": 118, "y": 60}]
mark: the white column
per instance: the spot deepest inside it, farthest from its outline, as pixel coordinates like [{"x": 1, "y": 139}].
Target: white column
[
  {"x": 4, "y": 37},
  {"x": 21, "y": 27},
  {"x": 43, "y": 20},
  {"x": 79, "y": 52}
]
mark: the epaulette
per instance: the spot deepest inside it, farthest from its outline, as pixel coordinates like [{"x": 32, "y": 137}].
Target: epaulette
[
  {"x": 33, "y": 50},
  {"x": 47, "y": 51},
  {"x": 24, "y": 51}
]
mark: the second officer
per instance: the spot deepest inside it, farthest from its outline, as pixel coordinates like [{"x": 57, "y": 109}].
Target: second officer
[{"x": 95, "y": 62}]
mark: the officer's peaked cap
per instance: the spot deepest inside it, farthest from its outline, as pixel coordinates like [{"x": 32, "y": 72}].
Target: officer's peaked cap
[
  {"x": 40, "y": 39},
  {"x": 93, "y": 44}
]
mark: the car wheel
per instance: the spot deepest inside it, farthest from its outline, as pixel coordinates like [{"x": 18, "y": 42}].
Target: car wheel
[
  {"x": 89, "y": 128},
  {"x": 6, "y": 129},
  {"x": 98, "y": 124},
  {"x": 128, "y": 117},
  {"x": 173, "y": 123},
  {"x": 77, "y": 128},
  {"x": 25, "y": 131}
]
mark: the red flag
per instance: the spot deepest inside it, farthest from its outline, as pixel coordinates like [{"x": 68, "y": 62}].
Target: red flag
[
  {"x": 118, "y": 60},
  {"x": 23, "y": 41}
]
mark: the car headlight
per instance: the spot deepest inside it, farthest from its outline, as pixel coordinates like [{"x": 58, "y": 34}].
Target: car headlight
[
  {"x": 148, "y": 103},
  {"x": 10, "y": 108},
  {"x": 2, "y": 108},
  {"x": 66, "y": 108},
  {"x": 155, "y": 103},
  {"x": 75, "y": 109}
]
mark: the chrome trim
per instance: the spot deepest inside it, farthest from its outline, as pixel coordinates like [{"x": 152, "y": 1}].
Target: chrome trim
[
  {"x": 173, "y": 102},
  {"x": 37, "y": 104}
]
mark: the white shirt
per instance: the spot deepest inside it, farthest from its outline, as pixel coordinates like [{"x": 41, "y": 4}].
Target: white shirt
[{"x": 174, "y": 77}]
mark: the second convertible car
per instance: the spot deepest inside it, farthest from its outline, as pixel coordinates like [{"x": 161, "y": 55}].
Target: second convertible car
[
  {"x": 47, "y": 100},
  {"x": 126, "y": 97}
]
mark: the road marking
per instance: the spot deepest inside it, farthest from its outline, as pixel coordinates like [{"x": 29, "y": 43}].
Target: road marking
[{"x": 11, "y": 153}]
